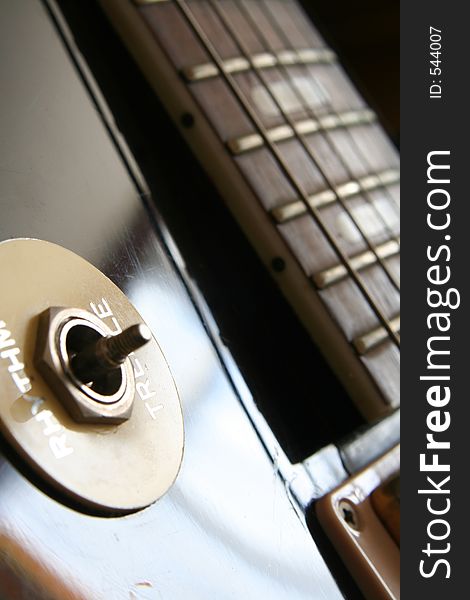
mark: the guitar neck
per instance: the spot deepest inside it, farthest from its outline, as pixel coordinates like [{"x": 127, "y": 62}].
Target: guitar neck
[{"x": 299, "y": 158}]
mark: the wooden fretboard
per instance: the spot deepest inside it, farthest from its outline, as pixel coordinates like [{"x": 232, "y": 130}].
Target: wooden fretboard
[{"x": 299, "y": 158}]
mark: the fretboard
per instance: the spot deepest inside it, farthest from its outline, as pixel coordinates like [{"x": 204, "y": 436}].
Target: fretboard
[{"x": 301, "y": 161}]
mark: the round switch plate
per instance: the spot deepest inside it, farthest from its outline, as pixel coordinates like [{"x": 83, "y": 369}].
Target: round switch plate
[{"x": 104, "y": 467}]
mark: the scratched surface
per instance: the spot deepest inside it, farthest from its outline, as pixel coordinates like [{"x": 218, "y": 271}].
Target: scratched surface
[{"x": 226, "y": 529}]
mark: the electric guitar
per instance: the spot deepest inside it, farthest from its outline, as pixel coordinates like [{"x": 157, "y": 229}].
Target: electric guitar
[{"x": 203, "y": 168}]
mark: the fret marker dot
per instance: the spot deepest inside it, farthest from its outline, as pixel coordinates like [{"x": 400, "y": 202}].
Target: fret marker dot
[
  {"x": 187, "y": 120},
  {"x": 447, "y": 237},
  {"x": 278, "y": 264}
]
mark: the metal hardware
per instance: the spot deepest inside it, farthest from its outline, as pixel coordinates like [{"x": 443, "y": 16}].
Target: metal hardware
[
  {"x": 113, "y": 444},
  {"x": 306, "y": 126},
  {"x": 358, "y": 262},
  {"x": 348, "y": 189},
  {"x": 350, "y": 520},
  {"x": 368, "y": 443},
  {"x": 348, "y": 514},
  {"x": 373, "y": 338},
  {"x": 80, "y": 359},
  {"x": 262, "y": 60},
  {"x": 108, "y": 353}
]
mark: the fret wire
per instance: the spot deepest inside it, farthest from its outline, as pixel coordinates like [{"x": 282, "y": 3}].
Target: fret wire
[
  {"x": 365, "y": 259},
  {"x": 263, "y": 60},
  {"x": 348, "y": 189},
  {"x": 297, "y": 134},
  {"x": 325, "y": 136},
  {"x": 280, "y": 32},
  {"x": 245, "y": 104},
  {"x": 279, "y": 133},
  {"x": 242, "y": 49},
  {"x": 369, "y": 340}
]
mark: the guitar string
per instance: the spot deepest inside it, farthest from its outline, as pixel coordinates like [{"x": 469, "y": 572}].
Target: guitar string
[
  {"x": 245, "y": 104},
  {"x": 194, "y": 25},
  {"x": 241, "y": 47},
  {"x": 243, "y": 8},
  {"x": 242, "y": 5},
  {"x": 281, "y": 34}
]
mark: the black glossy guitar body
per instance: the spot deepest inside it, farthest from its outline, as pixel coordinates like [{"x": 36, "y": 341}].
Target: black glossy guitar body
[
  {"x": 255, "y": 322},
  {"x": 228, "y": 528}
]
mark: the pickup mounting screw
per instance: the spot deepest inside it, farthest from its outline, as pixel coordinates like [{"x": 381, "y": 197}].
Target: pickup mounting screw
[{"x": 348, "y": 514}]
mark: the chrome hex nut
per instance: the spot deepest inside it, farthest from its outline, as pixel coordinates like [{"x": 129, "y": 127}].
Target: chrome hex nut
[{"x": 84, "y": 404}]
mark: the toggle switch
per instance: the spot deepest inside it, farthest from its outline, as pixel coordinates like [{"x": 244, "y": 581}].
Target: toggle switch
[
  {"x": 100, "y": 358},
  {"x": 87, "y": 366},
  {"x": 88, "y": 399}
]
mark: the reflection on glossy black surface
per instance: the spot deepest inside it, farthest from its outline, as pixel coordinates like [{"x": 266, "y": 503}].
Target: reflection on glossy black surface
[
  {"x": 227, "y": 528},
  {"x": 286, "y": 373}
]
